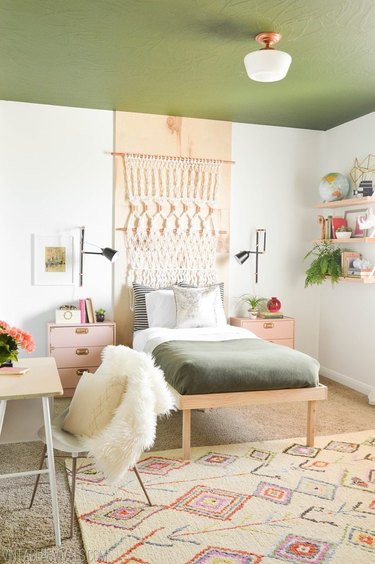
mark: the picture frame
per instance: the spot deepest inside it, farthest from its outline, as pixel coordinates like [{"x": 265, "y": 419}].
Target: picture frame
[
  {"x": 347, "y": 259},
  {"x": 53, "y": 260},
  {"x": 351, "y": 218}
]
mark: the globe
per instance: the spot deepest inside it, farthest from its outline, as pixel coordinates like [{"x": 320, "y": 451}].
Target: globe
[{"x": 334, "y": 186}]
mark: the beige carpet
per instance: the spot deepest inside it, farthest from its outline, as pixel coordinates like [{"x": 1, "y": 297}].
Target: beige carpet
[
  {"x": 27, "y": 535},
  {"x": 254, "y": 502}
]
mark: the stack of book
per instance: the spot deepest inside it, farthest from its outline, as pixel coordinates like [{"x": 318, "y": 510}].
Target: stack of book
[
  {"x": 270, "y": 315},
  {"x": 87, "y": 310}
]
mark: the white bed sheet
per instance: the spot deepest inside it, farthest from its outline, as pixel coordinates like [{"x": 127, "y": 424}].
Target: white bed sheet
[{"x": 147, "y": 339}]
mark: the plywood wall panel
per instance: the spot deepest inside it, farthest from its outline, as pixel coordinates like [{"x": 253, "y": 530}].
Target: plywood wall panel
[{"x": 173, "y": 136}]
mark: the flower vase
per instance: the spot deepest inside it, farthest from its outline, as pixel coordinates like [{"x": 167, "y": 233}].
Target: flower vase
[{"x": 7, "y": 363}]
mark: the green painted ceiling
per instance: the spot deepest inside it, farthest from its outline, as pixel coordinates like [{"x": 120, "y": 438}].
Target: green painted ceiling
[{"x": 185, "y": 57}]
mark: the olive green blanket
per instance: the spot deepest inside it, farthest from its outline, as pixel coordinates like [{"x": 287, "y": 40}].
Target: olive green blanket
[{"x": 206, "y": 367}]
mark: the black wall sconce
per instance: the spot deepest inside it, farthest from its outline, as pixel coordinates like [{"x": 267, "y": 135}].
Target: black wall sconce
[
  {"x": 106, "y": 252},
  {"x": 260, "y": 249}
]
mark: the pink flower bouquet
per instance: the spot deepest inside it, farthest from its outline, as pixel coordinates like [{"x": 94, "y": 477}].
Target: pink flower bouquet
[{"x": 11, "y": 339}]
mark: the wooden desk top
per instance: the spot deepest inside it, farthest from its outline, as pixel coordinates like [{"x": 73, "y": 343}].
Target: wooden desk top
[{"x": 41, "y": 380}]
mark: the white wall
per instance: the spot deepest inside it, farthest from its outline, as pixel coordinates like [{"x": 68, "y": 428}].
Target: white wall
[
  {"x": 274, "y": 186},
  {"x": 54, "y": 177},
  {"x": 347, "y": 328}
]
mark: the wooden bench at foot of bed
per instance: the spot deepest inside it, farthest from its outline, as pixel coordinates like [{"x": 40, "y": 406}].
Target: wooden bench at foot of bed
[{"x": 236, "y": 399}]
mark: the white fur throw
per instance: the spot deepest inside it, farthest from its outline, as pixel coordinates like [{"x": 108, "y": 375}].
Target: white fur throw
[{"x": 118, "y": 446}]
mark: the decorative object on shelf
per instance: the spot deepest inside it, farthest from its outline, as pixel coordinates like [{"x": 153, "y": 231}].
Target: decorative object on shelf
[
  {"x": 347, "y": 260},
  {"x": 343, "y": 232},
  {"x": 360, "y": 173},
  {"x": 11, "y": 339},
  {"x": 368, "y": 222},
  {"x": 337, "y": 222},
  {"x": 327, "y": 263},
  {"x": 334, "y": 186},
  {"x": 254, "y": 302},
  {"x": 100, "y": 315},
  {"x": 352, "y": 218},
  {"x": 267, "y": 64},
  {"x": 322, "y": 223},
  {"x": 67, "y": 314},
  {"x": 108, "y": 253},
  {"x": 242, "y": 256},
  {"x": 274, "y": 305}
]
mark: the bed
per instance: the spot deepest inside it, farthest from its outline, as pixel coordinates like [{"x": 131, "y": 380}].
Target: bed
[{"x": 227, "y": 366}]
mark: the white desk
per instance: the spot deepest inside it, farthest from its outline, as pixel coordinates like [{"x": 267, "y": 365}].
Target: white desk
[{"x": 41, "y": 381}]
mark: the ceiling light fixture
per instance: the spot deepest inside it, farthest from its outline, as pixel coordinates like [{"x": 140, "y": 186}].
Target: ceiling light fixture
[{"x": 267, "y": 64}]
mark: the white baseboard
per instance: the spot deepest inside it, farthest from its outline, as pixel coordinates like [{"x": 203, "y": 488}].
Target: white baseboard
[{"x": 349, "y": 382}]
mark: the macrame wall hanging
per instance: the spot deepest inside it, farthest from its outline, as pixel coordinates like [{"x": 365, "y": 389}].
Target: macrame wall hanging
[{"x": 170, "y": 232}]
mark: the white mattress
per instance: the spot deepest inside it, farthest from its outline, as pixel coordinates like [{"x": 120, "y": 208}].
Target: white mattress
[{"x": 147, "y": 339}]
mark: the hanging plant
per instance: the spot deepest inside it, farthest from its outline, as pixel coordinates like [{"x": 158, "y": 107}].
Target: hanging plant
[{"x": 326, "y": 264}]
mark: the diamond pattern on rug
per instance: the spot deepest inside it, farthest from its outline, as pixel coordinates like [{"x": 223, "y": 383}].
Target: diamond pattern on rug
[
  {"x": 120, "y": 514},
  {"x": 216, "y": 459},
  {"x": 309, "y": 486},
  {"x": 210, "y": 502},
  {"x": 341, "y": 446},
  {"x": 305, "y": 510},
  {"x": 363, "y": 538},
  {"x": 261, "y": 455},
  {"x": 159, "y": 466},
  {"x": 302, "y": 450},
  {"x": 218, "y": 555},
  {"x": 295, "y": 548},
  {"x": 273, "y": 492}
]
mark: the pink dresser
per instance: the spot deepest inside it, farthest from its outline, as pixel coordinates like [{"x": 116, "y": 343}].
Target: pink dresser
[
  {"x": 77, "y": 348},
  {"x": 279, "y": 331}
]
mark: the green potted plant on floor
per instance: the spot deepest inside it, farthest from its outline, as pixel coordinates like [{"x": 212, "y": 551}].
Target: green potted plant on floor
[
  {"x": 254, "y": 303},
  {"x": 326, "y": 264}
]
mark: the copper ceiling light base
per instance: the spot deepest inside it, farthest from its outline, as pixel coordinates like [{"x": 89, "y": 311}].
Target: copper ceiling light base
[{"x": 269, "y": 38}]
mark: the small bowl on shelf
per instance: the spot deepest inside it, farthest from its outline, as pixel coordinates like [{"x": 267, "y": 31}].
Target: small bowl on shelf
[{"x": 343, "y": 234}]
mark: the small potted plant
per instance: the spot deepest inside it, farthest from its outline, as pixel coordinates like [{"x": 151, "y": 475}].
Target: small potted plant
[
  {"x": 343, "y": 232},
  {"x": 100, "y": 315},
  {"x": 254, "y": 303}
]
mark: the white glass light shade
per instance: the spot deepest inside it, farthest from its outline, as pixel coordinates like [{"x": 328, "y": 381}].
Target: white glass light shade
[{"x": 267, "y": 65}]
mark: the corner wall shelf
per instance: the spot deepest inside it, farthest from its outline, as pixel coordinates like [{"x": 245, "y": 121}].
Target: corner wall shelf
[
  {"x": 368, "y": 200},
  {"x": 349, "y": 240}
]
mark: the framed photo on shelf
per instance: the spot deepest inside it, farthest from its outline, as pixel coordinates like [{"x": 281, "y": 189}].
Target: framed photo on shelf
[
  {"x": 347, "y": 260},
  {"x": 53, "y": 260},
  {"x": 351, "y": 218}
]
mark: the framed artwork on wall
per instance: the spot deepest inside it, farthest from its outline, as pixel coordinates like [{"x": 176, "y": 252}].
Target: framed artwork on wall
[
  {"x": 53, "y": 260},
  {"x": 351, "y": 217}
]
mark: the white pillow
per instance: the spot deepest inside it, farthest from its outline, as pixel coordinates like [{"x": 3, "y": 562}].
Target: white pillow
[
  {"x": 94, "y": 402},
  {"x": 161, "y": 308},
  {"x": 198, "y": 307}
]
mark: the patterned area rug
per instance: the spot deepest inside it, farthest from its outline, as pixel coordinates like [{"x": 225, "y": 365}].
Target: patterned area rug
[{"x": 269, "y": 502}]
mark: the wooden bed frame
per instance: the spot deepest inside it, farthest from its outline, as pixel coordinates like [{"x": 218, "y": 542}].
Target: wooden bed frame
[{"x": 235, "y": 399}]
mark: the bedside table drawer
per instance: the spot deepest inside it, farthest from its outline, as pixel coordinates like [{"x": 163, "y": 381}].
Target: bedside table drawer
[
  {"x": 67, "y": 357},
  {"x": 81, "y": 336},
  {"x": 270, "y": 329},
  {"x": 70, "y": 376}
]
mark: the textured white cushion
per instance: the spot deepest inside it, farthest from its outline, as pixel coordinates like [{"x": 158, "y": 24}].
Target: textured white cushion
[
  {"x": 95, "y": 399},
  {"x": 161, "y": 308},
  {"x": 198, "y": 307}
]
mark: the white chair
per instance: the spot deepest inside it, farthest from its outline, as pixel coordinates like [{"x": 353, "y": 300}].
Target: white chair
[{"x": 68, "y": 443}]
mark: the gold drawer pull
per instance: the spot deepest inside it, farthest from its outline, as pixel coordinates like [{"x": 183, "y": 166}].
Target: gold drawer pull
[
  {"x": 268, "y": 325},
  {"x": 80, "y": 330},
  {"x": 80, "y": 371},
  {"x": 82, "y": 351}
]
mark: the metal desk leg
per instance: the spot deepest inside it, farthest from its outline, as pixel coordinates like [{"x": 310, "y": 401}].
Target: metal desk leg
[
  {"x": 3, "y": 404},
  {"x": 51, "y": 470}
]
